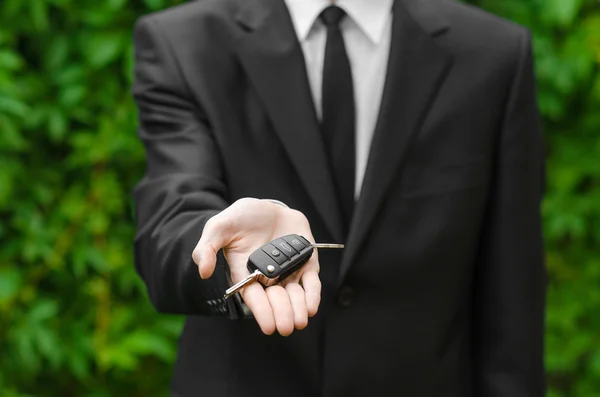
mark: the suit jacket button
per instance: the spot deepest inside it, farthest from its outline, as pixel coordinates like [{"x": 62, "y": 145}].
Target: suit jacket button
[{"x": 345, "y": 296}]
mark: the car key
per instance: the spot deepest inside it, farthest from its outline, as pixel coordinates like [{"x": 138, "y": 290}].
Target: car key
[{"x": 273, "y": 262}]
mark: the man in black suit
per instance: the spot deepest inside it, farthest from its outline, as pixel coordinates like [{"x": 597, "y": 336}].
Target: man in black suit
[{"x": 407, "y": 130}]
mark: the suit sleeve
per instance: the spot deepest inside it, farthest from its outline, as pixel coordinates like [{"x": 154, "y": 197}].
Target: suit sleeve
[
  {"x": 510, "y": 284},
  {"x": 183, "y": 185}
]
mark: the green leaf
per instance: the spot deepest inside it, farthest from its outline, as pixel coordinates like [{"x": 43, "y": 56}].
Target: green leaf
[
  {"x": 79, "y": 366},
  {"x": 57, "y": 125},
  {"x": 115, "y": 5},
  {"x": 49, "y": 346},
  {"x": 10, "y": 138},
  {"x": 70, "y": 75},
  {"x": 595, "y": 364},
  {"x": 10, "y": 60},
  {"x": 10, "y": 284},
  {"x": 57, "y": 52},
  {"x": 562, "y": 12},
  {"x": 144, "y": 343},
  {"x": 42, "y": 311},
  {"x": 71, "y": 95},
  {"x": 39, "y": 14},
  {"x": 154, "y": 4},
  {"x": 12, "y": 107},
  {"x": 103, "y": 48}
]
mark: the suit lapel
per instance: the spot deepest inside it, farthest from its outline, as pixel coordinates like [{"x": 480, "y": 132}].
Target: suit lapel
[
  {"x": 416, "y": 68},
  {"x": 272, "y": 57}
]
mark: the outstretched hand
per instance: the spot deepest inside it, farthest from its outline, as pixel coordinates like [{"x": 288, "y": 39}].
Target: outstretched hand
[{"x": 242, "y": 228}]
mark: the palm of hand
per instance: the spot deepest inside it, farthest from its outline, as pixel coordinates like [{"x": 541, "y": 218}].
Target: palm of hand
[{"x": 262, "y": 225}]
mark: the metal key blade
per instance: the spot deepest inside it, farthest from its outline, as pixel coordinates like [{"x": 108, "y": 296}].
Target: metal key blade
[
  {"x": 235, "y": 288},
  {"x": 328, "y": 245}
]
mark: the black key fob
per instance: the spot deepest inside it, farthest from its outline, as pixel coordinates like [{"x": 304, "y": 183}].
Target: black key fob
[
  {"x": 280, "y": 258},
  {"x": 275, "y": 261}
]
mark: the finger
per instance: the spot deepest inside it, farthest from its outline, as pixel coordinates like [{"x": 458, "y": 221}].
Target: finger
[
  {"x": 256, "y": 299},
  {"x": 214, "y": 237},
  {"x": 282, "y": 309},
  {"x": 312, "y": 292},
  {"x": 296, "y": 295}
]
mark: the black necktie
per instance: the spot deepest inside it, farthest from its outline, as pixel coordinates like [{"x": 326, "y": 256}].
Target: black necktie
[{"x": 338, "y": 119}]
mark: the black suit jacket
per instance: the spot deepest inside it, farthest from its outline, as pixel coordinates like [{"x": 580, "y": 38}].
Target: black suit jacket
[{"x": 440, "y": 291}]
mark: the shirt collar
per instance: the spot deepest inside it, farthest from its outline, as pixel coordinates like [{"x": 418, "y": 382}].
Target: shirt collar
[{"x": 369, "y": 15}]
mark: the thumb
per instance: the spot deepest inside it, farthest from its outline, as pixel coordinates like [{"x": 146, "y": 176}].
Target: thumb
[{"x": 215, "y": 236}]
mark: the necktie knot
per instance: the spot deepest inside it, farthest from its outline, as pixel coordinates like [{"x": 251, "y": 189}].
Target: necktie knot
[{"x": 332, "y": 15}]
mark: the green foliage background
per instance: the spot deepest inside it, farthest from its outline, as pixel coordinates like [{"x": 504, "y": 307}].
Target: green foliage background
[{"x": 74, "y": 318}]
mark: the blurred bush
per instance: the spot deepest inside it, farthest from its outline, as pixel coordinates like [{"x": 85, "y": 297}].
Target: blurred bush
[{"x": 74, "y": 318}]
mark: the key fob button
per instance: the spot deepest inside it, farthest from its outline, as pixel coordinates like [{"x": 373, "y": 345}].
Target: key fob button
[
  {"x": 275, "y": 254},
  {"x": 259, "y": 260},
  {"x": 285, "y": 247},
  {"x": 295, "y": 242},
  {"x": 305, "y": 241}
]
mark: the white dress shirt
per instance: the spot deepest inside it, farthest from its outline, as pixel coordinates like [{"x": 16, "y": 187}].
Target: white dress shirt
[{"x": 367, "y": 36}]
